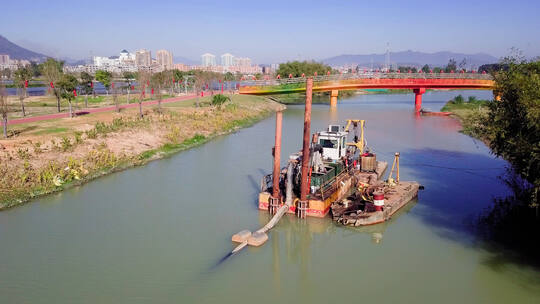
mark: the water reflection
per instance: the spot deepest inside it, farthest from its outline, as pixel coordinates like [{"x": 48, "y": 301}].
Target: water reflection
[{"x": 293, "y": 238}]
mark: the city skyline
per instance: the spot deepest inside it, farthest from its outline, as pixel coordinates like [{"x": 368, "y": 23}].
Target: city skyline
[{"x": 306, "y": 31}]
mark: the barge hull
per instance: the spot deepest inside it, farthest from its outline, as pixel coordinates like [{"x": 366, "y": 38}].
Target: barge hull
[
  {"x": 321, "y": 207},
  {"x": 395, "y": 199}
]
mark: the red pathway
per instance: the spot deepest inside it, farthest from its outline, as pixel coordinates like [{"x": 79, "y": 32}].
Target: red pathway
[{"x": 95, "y": 110}]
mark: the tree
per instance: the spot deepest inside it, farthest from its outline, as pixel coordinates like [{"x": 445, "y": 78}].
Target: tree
[
  {"x": 67, "y": 86},
  {"x": 512, "y": 130},
  {"x": 158, "y": 81},
  {"x": 425, "y": 68},
  {"x": 128, "y": 78},
  {"x": 201, "y": 80},
  {"x": 513, "y": 123},
  {"x": 86, "y": 86},
  {"x": 22, "y": 77},
  {"x": 105, "y": 78},
  {"x": 5, "y": 73},
  {"x": 4, "y": 109},
  {"x": 297, "y": 68},
  {"x": 462, "y": 64},
  {"x": 228, "y": 76},
  {"x": 451, "y": 66},
  {"x": 406, "y": 69},
  {"x": 34, "y": 67},
  {"x": 52, "y": 72},
  {"x": 142, "y": 79}
]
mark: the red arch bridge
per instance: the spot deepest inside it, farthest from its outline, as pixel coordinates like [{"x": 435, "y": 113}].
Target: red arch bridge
[{"x": 417, "y": 82}]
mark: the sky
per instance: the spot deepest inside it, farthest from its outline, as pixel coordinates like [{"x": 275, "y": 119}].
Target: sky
[{"x": 272, "y": 31}]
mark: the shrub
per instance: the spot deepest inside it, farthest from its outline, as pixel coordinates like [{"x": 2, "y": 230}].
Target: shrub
[
  {"x": 78, "y": 137},
  {"x": 219, "y": 100},
  {"x": 37, "y": 147},
  {"x": 23, "y": 153},
  {"x": 92, "y": 134},
  {"x": 66, "y": 144}
]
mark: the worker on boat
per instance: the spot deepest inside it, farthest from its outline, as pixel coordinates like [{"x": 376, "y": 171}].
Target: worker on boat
[{"x": 317, "y": 159}]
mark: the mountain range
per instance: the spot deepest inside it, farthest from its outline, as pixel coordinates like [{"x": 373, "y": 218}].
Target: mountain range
[
  {"x": 403, "y": 58},
  {"x": 411, "y": 58},
  {"x": 16, "y": 52}
]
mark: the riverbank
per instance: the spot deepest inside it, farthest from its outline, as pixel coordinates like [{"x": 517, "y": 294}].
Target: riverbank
[
  {"x": 469, "y": 112},
  {"x": 50, "y": 156}
]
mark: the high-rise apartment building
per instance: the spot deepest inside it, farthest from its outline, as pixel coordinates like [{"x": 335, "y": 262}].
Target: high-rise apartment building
[
  {"x": 227, "y": 60},
  {"x": 164, "y": 59},
  {"x": 208, "y": 60},
  {"x": 242, "y": 61},
  {"x": 143, "y": 58},
  {"x": 4, "y": 59}
]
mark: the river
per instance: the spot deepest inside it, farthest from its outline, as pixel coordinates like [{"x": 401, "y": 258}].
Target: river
[{"x": 156, "y": 234}]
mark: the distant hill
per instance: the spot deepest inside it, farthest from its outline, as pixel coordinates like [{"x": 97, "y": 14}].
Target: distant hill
[
  {"x": 16, "y": 52},
  {"x": 412, "y": 58},
  {"x": 184, "y": 60}
]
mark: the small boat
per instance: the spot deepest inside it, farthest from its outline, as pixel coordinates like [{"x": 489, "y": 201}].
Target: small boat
[{"x": 431, "y": 113}]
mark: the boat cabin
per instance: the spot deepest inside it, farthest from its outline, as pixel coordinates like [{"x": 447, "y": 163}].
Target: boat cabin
[{"x": 333, "y": 141}]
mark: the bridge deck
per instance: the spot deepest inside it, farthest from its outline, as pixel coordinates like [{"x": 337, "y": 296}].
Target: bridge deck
[{"x": 369, "y": 81}]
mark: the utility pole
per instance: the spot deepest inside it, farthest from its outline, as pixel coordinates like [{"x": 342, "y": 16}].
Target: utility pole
[{"x": 387, "y": 64}]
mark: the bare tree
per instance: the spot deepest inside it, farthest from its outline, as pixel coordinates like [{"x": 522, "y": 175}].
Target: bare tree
[
  {"x": 202, "y": 78},
  {"x": 4, "y": 107},
  {"x": 115, "y": 97},
  {"x": 142, "y": 79}
]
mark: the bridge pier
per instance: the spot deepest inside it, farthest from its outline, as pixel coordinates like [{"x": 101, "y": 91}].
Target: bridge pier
[
  {"x": 418, "y": 98},
  {"x": 333, "y": 98}
]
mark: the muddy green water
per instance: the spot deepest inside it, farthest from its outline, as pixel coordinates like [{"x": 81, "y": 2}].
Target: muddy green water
[{"x": 156, "y": 234}]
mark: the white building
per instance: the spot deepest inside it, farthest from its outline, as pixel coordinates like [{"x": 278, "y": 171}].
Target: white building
[
  {"x": 106, "y": 61},
  {"x": 126, "y": 57},
  {"x": 227, "y": 60},
  {"x": 208, "y": 59},
  {"x": 12, "y": 64},
  {"x": 165, "y": 59}
]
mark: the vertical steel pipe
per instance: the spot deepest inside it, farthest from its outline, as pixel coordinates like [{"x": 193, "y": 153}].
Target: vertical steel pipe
[
  {"x": 304, "y": 187},
  {"x": 277, "y": 155}
]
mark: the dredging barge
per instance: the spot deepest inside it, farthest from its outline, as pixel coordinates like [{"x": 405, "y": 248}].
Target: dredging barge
[
  {"x": 329, "y": 171},
  {"x": 335, "y": 168}
]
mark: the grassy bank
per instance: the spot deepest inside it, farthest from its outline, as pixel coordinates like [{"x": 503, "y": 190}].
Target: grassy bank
[
  {"x": 51, "y": 156},
  {"x": 469, "y": 112}
]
